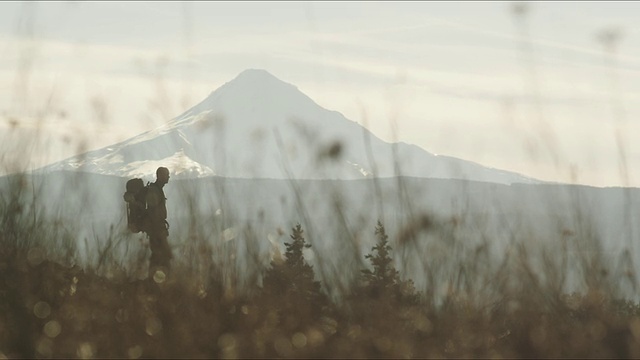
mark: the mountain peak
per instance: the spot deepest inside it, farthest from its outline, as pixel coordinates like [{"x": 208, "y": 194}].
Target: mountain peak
[
  {"x": 256, "y": 74},
  {"x": 254, "y": 88},
  {"x": 258, "y": 80}
]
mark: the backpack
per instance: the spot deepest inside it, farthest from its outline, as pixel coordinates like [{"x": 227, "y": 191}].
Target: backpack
[{"x": 135, "y": 198}]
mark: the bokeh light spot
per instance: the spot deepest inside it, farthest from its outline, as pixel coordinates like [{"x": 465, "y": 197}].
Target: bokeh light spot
[
  {"x": 52, "y": 329},
  {"x": 41, "y": 309}
]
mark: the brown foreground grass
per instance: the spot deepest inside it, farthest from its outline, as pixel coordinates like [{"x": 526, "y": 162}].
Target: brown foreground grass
[{"x": 52, "y": 309}]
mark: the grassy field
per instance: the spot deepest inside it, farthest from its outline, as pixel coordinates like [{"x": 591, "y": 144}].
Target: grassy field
[{"x": 476, "y": 304}]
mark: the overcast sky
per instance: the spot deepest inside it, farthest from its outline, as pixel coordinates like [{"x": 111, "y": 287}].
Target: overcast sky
[{"x": 543, "y": 91}]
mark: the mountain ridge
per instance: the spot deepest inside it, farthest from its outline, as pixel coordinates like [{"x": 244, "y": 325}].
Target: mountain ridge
[{"x": 258, "y": 126}]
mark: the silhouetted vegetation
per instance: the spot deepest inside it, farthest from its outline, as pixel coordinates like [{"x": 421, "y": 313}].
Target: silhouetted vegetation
[{"x": 53, "y": 308}]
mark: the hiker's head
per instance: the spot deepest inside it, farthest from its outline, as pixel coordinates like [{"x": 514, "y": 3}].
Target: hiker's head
[{"x": 162, "y": 175}]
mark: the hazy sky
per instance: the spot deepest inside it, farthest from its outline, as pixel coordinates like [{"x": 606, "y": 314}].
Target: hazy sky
[{"x": 543, "y": 93}]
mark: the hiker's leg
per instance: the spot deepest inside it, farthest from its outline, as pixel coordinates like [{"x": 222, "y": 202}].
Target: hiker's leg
[
  {"x": 154, "y": 262},
  {"x": 164, "y": 252},
  {"x": 160, "y": 254}
]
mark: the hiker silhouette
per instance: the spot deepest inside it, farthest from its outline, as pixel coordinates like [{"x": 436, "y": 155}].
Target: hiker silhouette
[{"x": 158, "y": 227}]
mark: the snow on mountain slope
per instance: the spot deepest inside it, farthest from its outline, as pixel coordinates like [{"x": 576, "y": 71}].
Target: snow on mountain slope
[
  {"x": 257, "y": 126},
  {"x": 179, "y": 164}
]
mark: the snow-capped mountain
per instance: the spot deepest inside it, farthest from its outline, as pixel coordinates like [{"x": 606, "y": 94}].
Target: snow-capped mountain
[{"x": 257, "y": 126}]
